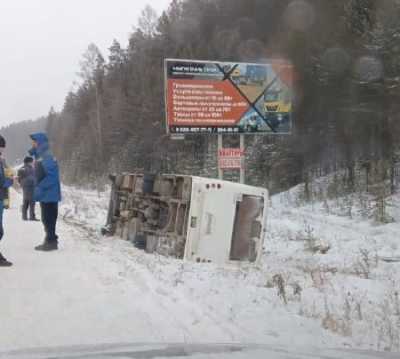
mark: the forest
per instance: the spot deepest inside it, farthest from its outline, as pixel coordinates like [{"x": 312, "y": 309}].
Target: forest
[
  {"x": 346, "y": 112},
  {"x": 18, "y": 140}
]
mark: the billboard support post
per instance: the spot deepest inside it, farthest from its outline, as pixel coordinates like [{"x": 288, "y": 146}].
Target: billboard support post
[
  {"x": 220, "y": 146},
  {"x": 242, "y": 167}
]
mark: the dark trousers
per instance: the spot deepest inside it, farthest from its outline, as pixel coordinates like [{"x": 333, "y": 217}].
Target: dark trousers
[
  {"x": 49, "y": 219},
  {"x": 28, "y": 204},
  {"x": 1, "y": 218}
]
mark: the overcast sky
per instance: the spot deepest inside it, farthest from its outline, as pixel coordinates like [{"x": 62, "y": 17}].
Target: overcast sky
[{"x": 41, "y": 44}]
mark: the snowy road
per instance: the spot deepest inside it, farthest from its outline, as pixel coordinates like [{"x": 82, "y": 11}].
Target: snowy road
[
  {"x": 102, "y": 290},
  {"x": 83, "y": 295},
  {"x": 97, "y": 291}
]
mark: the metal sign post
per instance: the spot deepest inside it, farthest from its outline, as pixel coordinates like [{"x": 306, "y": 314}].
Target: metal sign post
[
  {"x": 242, "y": 167},
  {"x": 220, "y": 170}
]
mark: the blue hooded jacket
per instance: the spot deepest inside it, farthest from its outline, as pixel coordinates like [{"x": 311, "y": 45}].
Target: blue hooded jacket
[{"x": 47, "y": 187}]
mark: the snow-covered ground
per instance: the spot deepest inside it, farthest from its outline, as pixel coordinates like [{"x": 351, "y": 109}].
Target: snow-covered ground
[
  {"x": 85, "y": 208},
  {"x": 351, "y": 290},
  {"x": 102, "y": 290}
]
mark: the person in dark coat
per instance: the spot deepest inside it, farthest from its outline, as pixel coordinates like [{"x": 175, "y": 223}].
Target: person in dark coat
[
  {"x": 26, "y": 178},
  {"x": 47, "y": 189},
  {"x": 5, "y": 183}
]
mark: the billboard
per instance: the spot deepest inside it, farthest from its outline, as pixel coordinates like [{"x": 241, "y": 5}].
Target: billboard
[{"x": 227, "y": 97}]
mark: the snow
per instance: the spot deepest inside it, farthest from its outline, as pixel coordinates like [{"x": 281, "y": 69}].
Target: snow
[
  {"x": 86, "y": 208},
  {"x": 102, "y": 290},
  {"x": 350, "y": 288},
  {"x": 194, "y": 351}
]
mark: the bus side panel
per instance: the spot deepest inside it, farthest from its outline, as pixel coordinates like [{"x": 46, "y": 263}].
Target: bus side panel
[{"x": 226, "y": 222}]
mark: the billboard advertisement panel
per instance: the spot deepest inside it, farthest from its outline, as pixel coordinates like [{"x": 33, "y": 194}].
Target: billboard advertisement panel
[{"x": 227, "y": 97}]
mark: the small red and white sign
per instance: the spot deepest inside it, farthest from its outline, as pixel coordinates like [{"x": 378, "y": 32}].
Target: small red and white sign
[{"x": 230, "y": 158}]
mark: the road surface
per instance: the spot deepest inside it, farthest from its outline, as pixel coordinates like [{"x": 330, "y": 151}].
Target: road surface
[
  {"x": 85, "y": 294},
  {"x": 97, "y": 291}
]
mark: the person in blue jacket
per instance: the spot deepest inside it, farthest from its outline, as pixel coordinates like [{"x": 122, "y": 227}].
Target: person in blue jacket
[
  {"x": 47, "y": 189},
  {"x": 5, "y": 183}
]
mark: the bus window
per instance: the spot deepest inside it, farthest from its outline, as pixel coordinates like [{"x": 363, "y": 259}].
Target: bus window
[{"x": 247, "y": 228}]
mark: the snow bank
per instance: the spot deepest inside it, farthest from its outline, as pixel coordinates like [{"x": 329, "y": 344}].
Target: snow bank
[
  {"x": 86, "y": 208},
  {"x": 322, "y": 280}
]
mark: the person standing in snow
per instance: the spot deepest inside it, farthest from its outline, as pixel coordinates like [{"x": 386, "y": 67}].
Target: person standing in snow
[
  {"x": 47, "y": 189},
  {"x": 26, "y": 178},
  {"x": 5, "y": 183}
]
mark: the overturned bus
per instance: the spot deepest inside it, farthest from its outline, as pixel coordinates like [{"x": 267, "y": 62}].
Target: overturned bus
[{"x": 187, "y": 217}]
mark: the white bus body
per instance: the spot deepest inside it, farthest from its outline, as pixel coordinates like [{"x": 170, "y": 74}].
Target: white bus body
[{"x": 192, "y": 218}]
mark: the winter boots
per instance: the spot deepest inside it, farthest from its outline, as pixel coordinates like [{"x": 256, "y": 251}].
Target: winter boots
[
  {"x": 4, "y": 262},
  {"x": 47, "y": 246}
]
